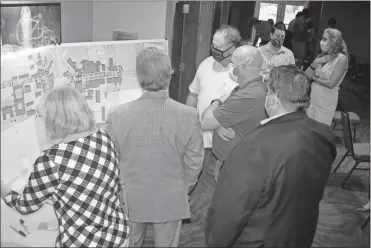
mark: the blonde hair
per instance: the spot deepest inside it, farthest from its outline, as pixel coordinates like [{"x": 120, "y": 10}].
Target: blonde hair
[
  {"x": 337, "y": 44},
  {"x": 65, "y": 112}
]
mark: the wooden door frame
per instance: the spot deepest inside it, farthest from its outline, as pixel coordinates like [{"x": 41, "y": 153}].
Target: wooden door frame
[{"x": 191, "y": 39}]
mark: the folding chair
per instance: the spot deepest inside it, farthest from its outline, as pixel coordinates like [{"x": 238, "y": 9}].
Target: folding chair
[
  {"x": 359, "y": 151},
  {"x": 354, "y": 120},
  {"x": 365, "y": 222}
]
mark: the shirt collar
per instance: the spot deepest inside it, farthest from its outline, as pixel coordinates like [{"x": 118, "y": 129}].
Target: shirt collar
[
  {"x": 272, "y": 118},
  {"x": 155, "y": 94},
  {"x": 271, "y": 49}
]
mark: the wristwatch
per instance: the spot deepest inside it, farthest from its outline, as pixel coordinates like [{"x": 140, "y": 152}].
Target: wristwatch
[{"x": 216, "y": 100}]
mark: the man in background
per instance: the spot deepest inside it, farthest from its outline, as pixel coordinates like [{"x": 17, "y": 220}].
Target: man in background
[
  {"x": 271, "y": 22},
  {"x": 331, "y": 23},
  {"x": 243, "y": 109},
  {"x": 274, "y": 53},
  {"x": 262, "y": 31},
  {"x": 269, "y": 188},
  {"x": 300, "y": 38},
  {"x": 290, "y": 32},
  {"x": 160, "y": 149},
  {"x": 291, "y": 24},
  {"x": 212, "y": 80}
]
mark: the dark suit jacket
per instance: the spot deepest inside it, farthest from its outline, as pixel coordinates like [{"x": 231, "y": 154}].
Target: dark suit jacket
[{"x": 270, "y": 187}]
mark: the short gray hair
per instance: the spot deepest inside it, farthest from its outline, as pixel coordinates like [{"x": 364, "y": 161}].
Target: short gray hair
[
  {"x": 65, "y": 112},
  {"x": 231, "y": 35},
  {"x": 153, "y": 69},
  {"x": 291, "y": 85}
]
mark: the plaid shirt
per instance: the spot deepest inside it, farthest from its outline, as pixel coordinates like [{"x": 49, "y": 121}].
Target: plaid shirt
[
  {"x": 263, "y": 30},
  {"x": 82, "y": 179}
]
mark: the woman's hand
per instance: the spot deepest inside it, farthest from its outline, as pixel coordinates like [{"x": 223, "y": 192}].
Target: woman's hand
[{"x": 321, "y": 60}]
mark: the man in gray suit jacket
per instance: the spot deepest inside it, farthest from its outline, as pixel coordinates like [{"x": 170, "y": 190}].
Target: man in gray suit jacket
[{"x": 161, "y": 153}]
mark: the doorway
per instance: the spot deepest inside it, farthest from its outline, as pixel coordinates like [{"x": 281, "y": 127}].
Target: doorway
[{"x": 278, "y": 11}]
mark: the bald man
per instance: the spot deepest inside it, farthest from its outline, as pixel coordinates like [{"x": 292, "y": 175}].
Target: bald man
[{"x": 239, "y": 113}]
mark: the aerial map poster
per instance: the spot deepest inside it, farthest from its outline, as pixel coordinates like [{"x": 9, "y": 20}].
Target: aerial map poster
[
  {"x": 30, "y": 25},
  {"x": 104, "y": 73}
]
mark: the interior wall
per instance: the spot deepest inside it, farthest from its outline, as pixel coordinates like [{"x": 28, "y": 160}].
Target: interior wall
[
  {"x": 353, "y": 20},
  {"x": 86, "y": 21},
  {"x": 147, "y": 19},
  {"x": 77, "y": 23}
]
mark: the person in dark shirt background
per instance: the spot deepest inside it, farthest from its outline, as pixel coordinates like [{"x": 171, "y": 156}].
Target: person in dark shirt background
[{"x": 331, "y": 23}]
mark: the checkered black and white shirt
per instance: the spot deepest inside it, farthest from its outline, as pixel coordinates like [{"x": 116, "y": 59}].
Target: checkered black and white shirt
[
  {"x": 82, "y": 179},
  {"x": 263, "y": 30}
]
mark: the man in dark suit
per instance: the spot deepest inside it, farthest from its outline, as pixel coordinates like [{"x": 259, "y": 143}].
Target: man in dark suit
[{"x": 269, "y": 190}]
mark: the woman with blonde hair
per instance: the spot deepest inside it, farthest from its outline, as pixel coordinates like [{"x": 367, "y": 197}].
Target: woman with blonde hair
[
  {"x": 80, "y": 175},
  {"x": 327, "y": 72}
]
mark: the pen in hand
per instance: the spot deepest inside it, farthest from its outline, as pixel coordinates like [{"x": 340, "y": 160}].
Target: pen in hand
[
  {"x": 24, "y": 226},
  {"x": 18, "y": 231}
]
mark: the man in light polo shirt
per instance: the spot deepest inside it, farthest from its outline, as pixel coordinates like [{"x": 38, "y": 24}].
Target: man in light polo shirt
[
  {"x": 274, "y": 53},
  {"x": 243, "y": 109},
  {"x": 212, "y": 81}
]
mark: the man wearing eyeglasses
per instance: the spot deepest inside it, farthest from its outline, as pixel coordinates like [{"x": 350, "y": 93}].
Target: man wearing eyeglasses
[
  {"x": 274, "y": 53},
  {"x": 241, "y": 111}
]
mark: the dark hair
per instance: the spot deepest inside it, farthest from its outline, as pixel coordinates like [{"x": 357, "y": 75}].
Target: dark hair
[
  {"x": 254, "y": 21},
  {"x": 278, "y": 25},
  {"x": 271, "y": 22},
  {"x": 299, "y": 14},
  {"x": 291, "y": 85},
  {"x": 305, "y": 13},
  {"x": 331, "y": 22},
  {"x": 310, "y": 23}
]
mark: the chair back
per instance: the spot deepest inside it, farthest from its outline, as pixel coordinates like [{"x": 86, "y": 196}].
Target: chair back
[{"x": 347, "y": 132}]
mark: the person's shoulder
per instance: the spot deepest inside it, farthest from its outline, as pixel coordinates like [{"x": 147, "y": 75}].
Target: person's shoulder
[
  {"x": 206, "y": 62},
  {"x": 342, "y": 57},
  {"x": 319, "y": 129},
  {"x": 182, "y": 108},
  {"x": 287, "y": 51},
  {"x": 256, "y": 90},
  {"x": 123, "y": 108},
  {"x": 260, "y": 89}
]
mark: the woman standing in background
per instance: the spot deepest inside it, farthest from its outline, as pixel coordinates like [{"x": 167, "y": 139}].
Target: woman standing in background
[
  {"x": 327, "y": 72},
  {"x": 79, "y": 174}
]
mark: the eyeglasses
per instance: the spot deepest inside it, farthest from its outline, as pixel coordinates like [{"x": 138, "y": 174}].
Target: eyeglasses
[{"x": 281, "y": 37}]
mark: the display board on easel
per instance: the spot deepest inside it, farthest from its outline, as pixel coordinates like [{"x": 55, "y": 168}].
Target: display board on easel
[{"x": 104, "y": 73}]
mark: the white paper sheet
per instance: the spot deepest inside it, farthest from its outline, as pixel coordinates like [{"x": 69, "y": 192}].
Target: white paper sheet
[
  {"x": 36, "y": 238},
  {"x": 19, "y": 150}
]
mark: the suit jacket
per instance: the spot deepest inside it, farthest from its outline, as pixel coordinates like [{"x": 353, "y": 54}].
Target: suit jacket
[
  {"x": 161, "y": 155},
  {"x": 269, "y": 189}
]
